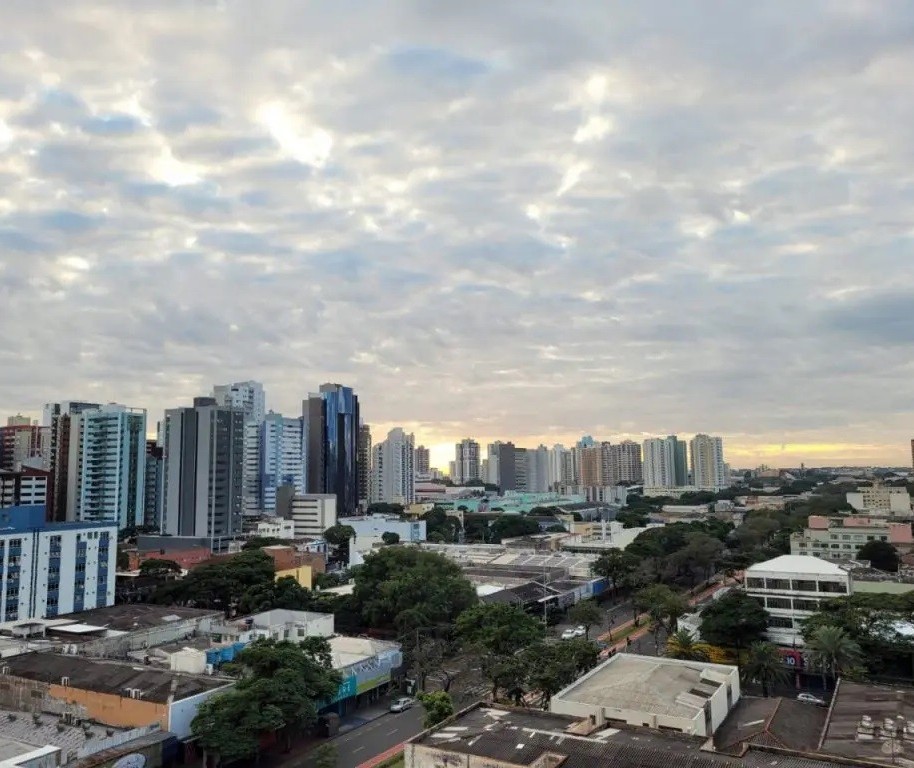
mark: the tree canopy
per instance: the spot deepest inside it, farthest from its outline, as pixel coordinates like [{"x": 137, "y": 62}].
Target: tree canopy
[
  {"x": 509, "y": 526},
  {"x": 406, "y": 588},
  {"x": 438, "y": 707},
  {"x": 586, "y": 613},
  {"x": 259, "y": 542},
  {"x": 765, "y": 664},
  {"x": 881, "y": 555},
  {"x": 734, "y": 621},
  {"x": 497, "y": 628},
  {"x": 159, "y": 567},
  {"x": 614, "y": 565},
  {"x": 389, "y": 538}
]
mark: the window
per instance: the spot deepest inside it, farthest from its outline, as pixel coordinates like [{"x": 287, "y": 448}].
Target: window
[
  {"x": 777, "y": 583},
  {"x": 804, "y": 585},
  {"x": 806, "y": 605},
  {"x": 780, "y": 622},
  {"x": 755, "y": 583},
  {"x": 778, "y": 602},
  {"x": 828, "y": 586}
]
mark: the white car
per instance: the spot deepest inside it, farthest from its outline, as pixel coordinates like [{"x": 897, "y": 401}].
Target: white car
[
  {"x": 580, "y": 631},
  {"x": 401, "y": 704},
  {"x": 810, "y": 699},
  {"x": 569, "y": 634}
]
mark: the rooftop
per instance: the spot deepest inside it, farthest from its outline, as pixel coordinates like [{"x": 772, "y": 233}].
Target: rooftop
[
  {"x": 529, "y": 737},
  {"x": 647, "y": 684},
  {"x": 347, "y": 651},
  {"x": 136, "y": 616},
  {"x": 868, "y": 722},
  {"x": 22, "y": 732},
  {"x": 797, "y": 564},
  {"x": 771, "y": 722},
  {"x": 109, "y": 677}
]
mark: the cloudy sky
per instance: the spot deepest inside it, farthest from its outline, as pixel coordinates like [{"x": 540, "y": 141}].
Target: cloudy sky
[{"x": 494, "y": 218}]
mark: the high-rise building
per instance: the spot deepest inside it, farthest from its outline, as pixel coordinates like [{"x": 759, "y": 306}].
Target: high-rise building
[
  {"x": 311, "y": 514},
  {"x": 912, "y": 453},
  {"x": 28, "y": 487},
  {"x": 282, "y": 458},
  {"x": 681, "y": 463},
  {"x": 364, "y": 464},
  {"x": 106, "y": 469},
  {"x": 488, "y": 468},
  {"x": 659, "y": 458},
  {"x": 57, "y": 418},
  {"x": 708, "y": 470},
  {"x": 591, "y": 461},
  {"x": 155, "y": 479},
  {"x": 422, "y": 461},
  {"x": 53, "y": 569},
  {"x": 607, "y": 470},
  {"x": 521, "y": 467},
  {"x": 466, "y": 462},
  {"x": 250, "y": 398},
  {"x": 22, "y": 444},
  {"x": 332, "y": 418},
  {"x": 538, "y": 469},
  {"x": 204, "y": 465},
  {"x": 626, "y": 462},
  {"x": 392, "y": 471}
]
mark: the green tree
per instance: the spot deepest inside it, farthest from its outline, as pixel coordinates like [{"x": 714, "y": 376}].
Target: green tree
[
  {"x": 389, "y": 537},
  {"x": 283, "y": 593},
  {"x": 682, "y": 645},
  {"x": 338, "y": 536},
  {"x": 440, "y": 526},
  {"x": 664, "y": 606},
  {"x": 497, "y": 628},
  {"x": 397, "y": 580},
  {"x": 765, "y": 664},
  {"x": 383, "y": 508},
  {"x": 735, "y": 620},
  {"x": 259, "y": 542},
  {"x": 510, "y": 526},
  {"x": 325, "y": 756},
  {"x": 438, "y": 707},
  {"x": 614, "y": 565},
  {"x": 123, "y": 560},
  {"x": 881, "y": 555},
  {"x": 586, "y": 613},
  {"x": 230, "y": 725},
  {"x": 156, "y": 567},
  {"x": 832, "y": 651},
  {"x": 550, "y": 667},
  {"x": 506, "y": 672},
  {"x": 632, "y": 518}
]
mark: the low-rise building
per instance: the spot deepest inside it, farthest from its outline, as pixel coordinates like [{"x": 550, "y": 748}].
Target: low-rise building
[
  {"x": 790, "y": 588},
  {"x": 841, "y": 537},
  {"x": 881, "y": 500},
  {"x": 690, "y": 697},
  {"x": 311, "y": 514},
  {"x": 375, "y": 526},
  {"x": 276, "y": 528}
]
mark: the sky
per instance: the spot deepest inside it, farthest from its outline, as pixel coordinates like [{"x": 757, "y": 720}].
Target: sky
[{"x": 497, "y": 219}]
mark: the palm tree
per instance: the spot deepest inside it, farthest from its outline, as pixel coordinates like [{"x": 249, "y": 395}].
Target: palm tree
[
  {"x": 833, "y": 651},
  {"x": 681, "y": 645},
  {"x": 765, "y": 664}
]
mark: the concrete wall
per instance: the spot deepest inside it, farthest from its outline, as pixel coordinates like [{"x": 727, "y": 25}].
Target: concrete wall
[
  {"x": 882, "y": 587},
  {"x": 302, "y": 574},
  {"x": 119, "y": 647},
  {"x": 181, "y": 713},
  {"x": 111, "y": 709}
]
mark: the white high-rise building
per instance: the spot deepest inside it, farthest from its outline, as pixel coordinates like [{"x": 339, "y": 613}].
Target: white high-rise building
[
  {"x": 538, "y": 469},
  {"x": 708, "y": 470},
  {"x": 282, "y": 457},
  {"x": 106, "y": 475},
  {"x": 490, "y": 464},
  {"x": 392, "y": 473},
  {"x": 466, "y": 462},
  {"x": 249, "y": 397},
  {"x": 659, "y": 457}
]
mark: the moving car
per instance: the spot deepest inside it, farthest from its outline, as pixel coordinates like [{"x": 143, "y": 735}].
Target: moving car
[
  {"x": 569, "y": 634},
  {"x": 580, "y": 631},
  {"x": 810, "y": 699},
  {"x": 401, "y": 704}
]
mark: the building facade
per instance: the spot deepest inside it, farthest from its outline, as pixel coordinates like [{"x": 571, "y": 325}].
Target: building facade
[
  {"x": 659, "y": 456},
  {"x": 709, "y": 472},
  {"x": 422, "y": 461},
  {"x": 882, "y": 500},
  {"x": 53, "y": 568},
  {"x": 283, "y": 446},
  {"x": 626, "y": 462},
  {"x": 57, "y": 418},
  {"x": 204, "y": 466},
  {"x": 365, "y": 456},
  {"x": 155, "y": 479},
  {"x": 790, "y": 588},
  {"x": 393, "y": 477},
  {"x": 106, "y": 476},
  {"x": 248, "y": 397},
  {"x": 23, "y": 444},
  {"x": 840, "y": 538},
  {"x": 27, "y": 488},
  {"x": 310, "y": 513},
  {"x": 466, "y": 461},
  {"x": 332, "y": 418}
]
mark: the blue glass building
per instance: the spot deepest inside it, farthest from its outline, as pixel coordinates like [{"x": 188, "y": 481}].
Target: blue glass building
[{"x": 332, "y": 418}]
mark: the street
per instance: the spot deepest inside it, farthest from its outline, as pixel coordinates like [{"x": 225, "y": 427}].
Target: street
[{"x": 360, "y": 745}]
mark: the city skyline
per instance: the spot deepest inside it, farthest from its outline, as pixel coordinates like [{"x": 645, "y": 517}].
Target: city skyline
[{"x": 505, "y": 221}]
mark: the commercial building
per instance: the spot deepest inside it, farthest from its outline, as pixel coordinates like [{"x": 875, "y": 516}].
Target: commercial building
[
  {"x": 310, "y": 513},
  {"x": 422, "y": 461},
  {"x": 881, "y": 500},
  {"x": 393, "y": 476},
  {"x": 106, "y": 477},
  {"x": 249, "y": 398},
  {"x": 57, "y": 418},
  {"x": 282, "y": 458},
  {"x": 790, "y": 588},
  {"x": 375, "y": 526},
  {"x": 709, "y": 472},
  {"x": 204, "y": 468},
  {"x": 690, "y": 697},
  {"x": 49, "y": 568},
  {"x": 332, "y": 418},
  {"x": 26, "y": 488},
  {"x": 840, "y": 538},
  {"x": 466, "y": 461}
]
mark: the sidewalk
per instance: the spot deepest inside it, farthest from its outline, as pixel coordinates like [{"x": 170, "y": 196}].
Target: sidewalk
[{"x": 364, "y": 716}]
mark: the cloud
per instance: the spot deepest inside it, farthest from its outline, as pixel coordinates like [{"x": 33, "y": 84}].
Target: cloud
[{"x": 498, "y": 219}]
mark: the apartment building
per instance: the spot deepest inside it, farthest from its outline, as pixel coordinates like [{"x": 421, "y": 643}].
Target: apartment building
[
  {"x": 882, "y": 500},
  {"x": 840, "y": 538},
  {"x": 30, "y": 487},
  {"x": 790, "y": 588}
]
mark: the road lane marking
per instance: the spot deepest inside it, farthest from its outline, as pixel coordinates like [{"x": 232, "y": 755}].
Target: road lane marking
[
  {"x": 390, "y": 733},
  {"x": 357, "y": 749}
]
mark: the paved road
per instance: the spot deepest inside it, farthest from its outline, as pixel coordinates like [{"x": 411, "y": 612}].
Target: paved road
[{"x": 362, "y": 744}]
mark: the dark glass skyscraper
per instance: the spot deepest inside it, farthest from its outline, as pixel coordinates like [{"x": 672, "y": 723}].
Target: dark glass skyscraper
[{"x": 332, "y": 416}]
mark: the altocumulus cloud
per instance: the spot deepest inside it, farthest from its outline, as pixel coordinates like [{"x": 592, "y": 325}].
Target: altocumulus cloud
[{"x": 505, "y": 219}]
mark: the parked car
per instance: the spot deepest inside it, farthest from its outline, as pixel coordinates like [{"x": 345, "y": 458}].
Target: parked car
[
  {"x": 579, "y": 631},
  {"x": 810, "y": 699},
  {"x": 402, "y": 704},
  {"x": 569, "y": 634}
]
